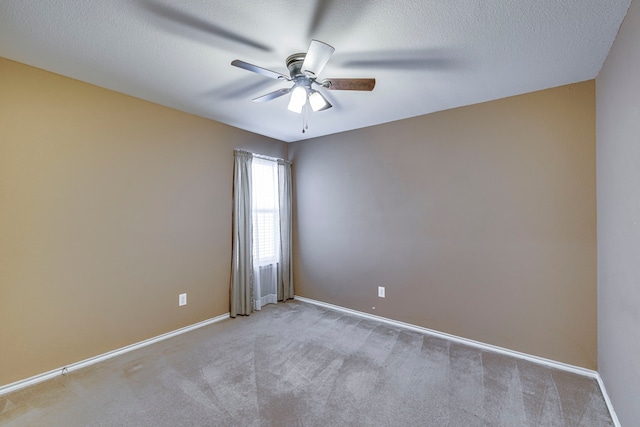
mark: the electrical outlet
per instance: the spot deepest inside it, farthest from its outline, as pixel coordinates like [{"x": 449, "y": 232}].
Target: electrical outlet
[
  {"x": 182, "y": 299},
  {"x": 381, "y": 291}
]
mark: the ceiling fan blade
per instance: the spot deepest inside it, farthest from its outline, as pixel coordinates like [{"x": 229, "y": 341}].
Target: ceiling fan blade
[
  {"x": 273, "y": 95},
  {"x": 432, "y": 64},
  {"x": 320, "y": 13},
  {"x": 174, "y": 17},
  {"x": 349, "y": 84},
  {"x": 240, "y": 89},
  {"x": 259, "y": 70},
  {"x": 432, "y": 59},
  {"x": 336, "y": 16},
  {"x": 317, "y": 57}
]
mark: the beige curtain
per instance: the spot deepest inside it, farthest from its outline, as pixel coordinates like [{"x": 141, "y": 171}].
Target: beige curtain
[
  {"x": 241, "y": 289},
  {"x": 285, "y": 272}
]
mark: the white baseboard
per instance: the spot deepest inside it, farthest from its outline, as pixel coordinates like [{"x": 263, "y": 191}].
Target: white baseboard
[
  {"x": 612, "y": 411},
  {"x": 483, "y": 346},
  {"x": 83, "y": 363}
]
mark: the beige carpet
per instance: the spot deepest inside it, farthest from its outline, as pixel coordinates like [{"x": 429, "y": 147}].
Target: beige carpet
[{"x": 296, "y": 364}]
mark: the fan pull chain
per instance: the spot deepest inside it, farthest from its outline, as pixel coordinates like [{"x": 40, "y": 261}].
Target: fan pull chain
[{"x": 305, "y": 116}]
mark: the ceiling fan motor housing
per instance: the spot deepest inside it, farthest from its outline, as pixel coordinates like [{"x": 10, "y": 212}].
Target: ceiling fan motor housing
[
  {"x": 294, "y": 64},
  {"x": 299, "y": 78}
]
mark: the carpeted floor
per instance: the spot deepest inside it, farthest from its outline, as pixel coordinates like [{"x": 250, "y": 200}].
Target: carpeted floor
[{"x": 297, "y": 364}]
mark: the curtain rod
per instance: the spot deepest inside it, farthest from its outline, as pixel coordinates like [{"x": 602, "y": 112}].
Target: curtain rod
[{"x": 262, "y": 156}]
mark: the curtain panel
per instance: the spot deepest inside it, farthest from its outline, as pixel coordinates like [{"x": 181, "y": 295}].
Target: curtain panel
[
  {"x": 285, "y": 273},
  {"x": 241, "y": 289}
]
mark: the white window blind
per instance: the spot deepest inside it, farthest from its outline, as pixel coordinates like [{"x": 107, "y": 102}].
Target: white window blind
[{"x": 265, "y": 211}]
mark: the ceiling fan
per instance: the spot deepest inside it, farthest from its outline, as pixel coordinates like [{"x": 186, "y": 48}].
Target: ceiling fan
[{"x": 304, "y": 69}]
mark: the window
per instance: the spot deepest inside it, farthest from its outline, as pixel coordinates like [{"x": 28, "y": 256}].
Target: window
[
  {"x": 266, "y": 221},
  {"x": 261, "y": 261}
]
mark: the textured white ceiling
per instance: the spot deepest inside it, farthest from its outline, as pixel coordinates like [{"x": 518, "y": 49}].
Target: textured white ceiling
[{"x": 426, "y": 55}]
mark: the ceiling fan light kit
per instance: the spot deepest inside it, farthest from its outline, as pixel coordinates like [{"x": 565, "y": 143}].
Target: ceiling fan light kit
[
  {"x": 298, "y": 99},
  {"x": 317, "y": 101},
  {"x": 304, "y": 69}
]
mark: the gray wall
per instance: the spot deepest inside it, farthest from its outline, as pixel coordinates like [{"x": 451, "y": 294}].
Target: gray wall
[
  {"x": 618, "y": 192},
  {"x": 480, "y": 221}
]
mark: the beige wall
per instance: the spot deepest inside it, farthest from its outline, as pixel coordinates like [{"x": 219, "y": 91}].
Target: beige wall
[
  {"x": 618, "y": 166},
  {"x": 480, "y": 221},
  {"x": 109, "y": 208}
]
